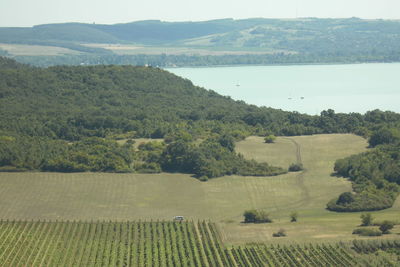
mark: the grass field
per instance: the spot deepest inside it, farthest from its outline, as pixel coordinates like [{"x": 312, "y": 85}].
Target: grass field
[
  {"x": 36, "y": 50},
  {"x": 132, "y": 49},
  {"x": 120, "y": 197},
  {"x": 127, "y": 49}
]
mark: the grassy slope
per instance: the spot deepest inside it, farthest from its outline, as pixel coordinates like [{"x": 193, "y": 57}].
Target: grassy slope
[
  {"x": 105, "y": 196},
  {"x": 309, "y": 196},
  {"x": 36, "y": 50}
]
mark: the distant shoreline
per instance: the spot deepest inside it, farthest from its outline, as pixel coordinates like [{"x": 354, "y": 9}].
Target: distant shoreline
[{"x": 280, "y": 64}]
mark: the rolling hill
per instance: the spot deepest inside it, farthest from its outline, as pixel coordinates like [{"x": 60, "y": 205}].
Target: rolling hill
[{"x": 293, "y": 40}]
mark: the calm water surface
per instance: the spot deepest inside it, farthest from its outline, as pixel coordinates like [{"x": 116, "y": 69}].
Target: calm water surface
[{"x": 305, "y": 88}]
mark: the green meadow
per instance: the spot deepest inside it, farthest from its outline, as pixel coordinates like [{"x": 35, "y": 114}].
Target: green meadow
[{"x": 123, "y": 197}]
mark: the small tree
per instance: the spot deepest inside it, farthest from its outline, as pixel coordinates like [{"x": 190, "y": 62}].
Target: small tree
[
  {"x": 293, "y": 216},
  {"x": 250, "y": 216},
  {"x": 386, "y": 226},
  {"x": 366, "y": 219},
  {"x": 270, "y": 138},
  {"x": 256, "y": 216},
  {"x": 262, "y": 217}
]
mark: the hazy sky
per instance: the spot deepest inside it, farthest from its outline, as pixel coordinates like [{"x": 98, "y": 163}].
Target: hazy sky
[{"x": 33, "y": 12}]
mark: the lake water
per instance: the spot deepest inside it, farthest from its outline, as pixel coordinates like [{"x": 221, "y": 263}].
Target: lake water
[{"x": 305, "y": 88}]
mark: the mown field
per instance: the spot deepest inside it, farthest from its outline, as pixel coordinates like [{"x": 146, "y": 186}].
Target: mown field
[
  {"x": 36, "y": 50},
  {"x": 199, "y": 49},
  {"x": 127, "y": 49},
  {"x": 133, "y": 197},
  {"x": 28, "y": 243}
]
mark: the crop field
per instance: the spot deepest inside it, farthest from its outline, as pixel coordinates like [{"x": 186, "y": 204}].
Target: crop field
[
  {"x": 161, "y": 243},
  {"x": 132, "y": 197},
  {"x": 197, "y": 49},
  {"x": 36, "y": 50}
]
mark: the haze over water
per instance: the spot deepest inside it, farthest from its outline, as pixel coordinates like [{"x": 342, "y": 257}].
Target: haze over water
[{"x": 305, "y": 88}]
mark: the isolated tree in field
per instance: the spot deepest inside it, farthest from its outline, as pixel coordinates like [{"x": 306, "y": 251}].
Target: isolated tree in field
[
  {"x": 293, "y": 216},
  {"x": 262, "y": 217},
  {"x": 270, "y": 138},
  {"x": 256, "y": 216},
  {"x": 250, "y": 216},
  {"x": 386, "y": 226},
  {"x": 366, "y": 219}
]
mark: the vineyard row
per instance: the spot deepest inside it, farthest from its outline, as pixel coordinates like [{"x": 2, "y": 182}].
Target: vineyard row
[{"x": 161, "y": 243}]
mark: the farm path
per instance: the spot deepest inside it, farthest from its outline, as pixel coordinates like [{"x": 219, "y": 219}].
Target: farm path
[{"x": 300, "y": 177}]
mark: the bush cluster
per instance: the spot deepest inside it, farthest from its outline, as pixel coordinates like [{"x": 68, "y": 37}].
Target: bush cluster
[
  {"x": 367, "y": 232},
  {"x": 256, "y": 216},
  {"x": 213, "y": 157},
  {"x": 280, "y": 233},
  {"x": 295, "y": 167},
  {"x": 375, "y": 176},
  {"x": 270, "y": 138},
  {"x": 89, "y": 154}
]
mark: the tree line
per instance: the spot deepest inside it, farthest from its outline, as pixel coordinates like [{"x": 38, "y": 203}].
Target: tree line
[{"x": 171, "y": 60}]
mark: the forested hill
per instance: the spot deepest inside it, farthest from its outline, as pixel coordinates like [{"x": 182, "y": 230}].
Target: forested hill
[
  {"x": 73, "y": 102},
  {"x": 69, "y": 103},
  {"x": 69, "y": 118},
  {"x": 42, "y": 110}
]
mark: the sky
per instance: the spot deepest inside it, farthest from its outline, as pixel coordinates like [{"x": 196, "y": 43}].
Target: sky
[{"x": 22, "y": 13}]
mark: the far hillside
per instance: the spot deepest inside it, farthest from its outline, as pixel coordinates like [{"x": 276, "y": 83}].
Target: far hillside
[{"x": 214, "y": 42}]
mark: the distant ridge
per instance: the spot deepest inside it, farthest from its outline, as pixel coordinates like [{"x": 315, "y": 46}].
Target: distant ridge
[
  {"x": 156, "y": 31},
  {"x": 303, "y": 40}
]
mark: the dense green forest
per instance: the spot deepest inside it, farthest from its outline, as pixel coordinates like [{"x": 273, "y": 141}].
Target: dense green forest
[
  {"x": 246, "y": 41},
  {"x": 69, "y": 119},
  {"x": 71, "y": 103},
  {"x": 375, "y": 174}
]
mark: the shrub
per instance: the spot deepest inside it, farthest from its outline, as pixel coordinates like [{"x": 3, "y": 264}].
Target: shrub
[
  {"x": 256, "y": 216},
  {"x": 367, "y": 200},
  {"x": 386, "y": 226},
  {"x": 270, "y": 139},
  {"x": 293, "y": 216},
  {"x": 367, "y": 232},
  {"x": 151, "y": 167},
  {"x": 366, "y": 219},
  {"x": 250, "y": 216},
  {"x": 262, "y": 217},
  {"x": 203, "y": 178},
  {"x": 295, "y": 167},
  {"x": 280, "y": 233}
]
